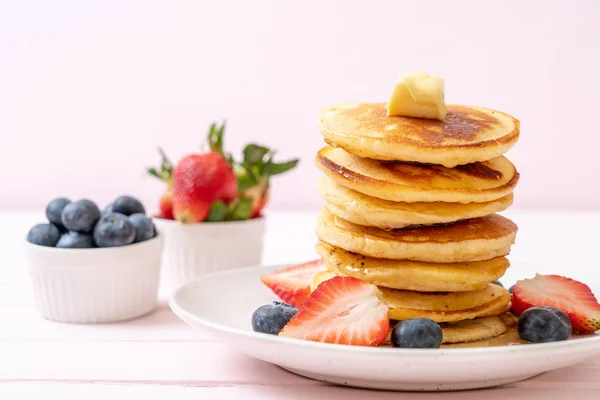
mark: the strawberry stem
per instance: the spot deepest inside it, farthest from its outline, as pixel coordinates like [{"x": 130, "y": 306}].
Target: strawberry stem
[
  {"x": 215, "y": 141},
  {"x": 165, "y": 171}
]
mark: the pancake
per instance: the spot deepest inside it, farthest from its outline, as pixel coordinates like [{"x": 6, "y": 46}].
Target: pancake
[
  {"x": 498, "y": 306},
  {"x": 406, "y": 182},
  {"x": 468, "y": 134},
  {"x": 365, "y": 210},
  {"x": 473, "y": 329},
  {"x": 413, "y": 275},
  {"x": 476, "y": 239},
  {"x": 439, "y": 306},
  {"x": 469, "y": 330}
]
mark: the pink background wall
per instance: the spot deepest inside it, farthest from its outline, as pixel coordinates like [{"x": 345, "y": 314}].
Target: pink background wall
[{"x": 89, "y": 90}]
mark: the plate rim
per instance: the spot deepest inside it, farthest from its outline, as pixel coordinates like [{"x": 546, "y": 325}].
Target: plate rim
[{"x": 358, "y": 350}]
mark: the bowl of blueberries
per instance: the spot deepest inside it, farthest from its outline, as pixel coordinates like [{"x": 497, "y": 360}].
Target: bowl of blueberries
[{"x": 92, "y": 266}]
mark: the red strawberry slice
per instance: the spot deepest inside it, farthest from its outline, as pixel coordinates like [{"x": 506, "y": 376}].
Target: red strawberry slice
[
  {"x": 342, "y": 310},
  {"x": 568, "y": 295},
  {"x": 292, "y": 284}
]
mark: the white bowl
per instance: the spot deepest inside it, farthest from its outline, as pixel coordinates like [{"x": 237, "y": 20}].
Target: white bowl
[
  {"x": 95, "y": 285},
  {"x": 194, "y": 250}
]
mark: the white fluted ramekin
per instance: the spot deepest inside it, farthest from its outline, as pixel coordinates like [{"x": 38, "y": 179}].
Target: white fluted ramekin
[
  {"x": 95, "y": 285},
  {"x": 193, "y": 250}
]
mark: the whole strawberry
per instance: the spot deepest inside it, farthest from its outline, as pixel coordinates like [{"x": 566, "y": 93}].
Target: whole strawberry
[
  {"x": 215, "y": 143},
  {"x": 259, "y": 197},
  {"x": 254, "y": 175},
  {"x": 166, "y": 204},
  {"x": 165, "y": 174},
  {"x": 198, "y": 181}
]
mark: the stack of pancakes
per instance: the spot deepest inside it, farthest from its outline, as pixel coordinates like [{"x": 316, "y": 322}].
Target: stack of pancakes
[{"x": 410, "y": 207}]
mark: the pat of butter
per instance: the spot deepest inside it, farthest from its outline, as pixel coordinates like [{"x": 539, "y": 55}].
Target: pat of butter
[{"x": 418, "y": 95}]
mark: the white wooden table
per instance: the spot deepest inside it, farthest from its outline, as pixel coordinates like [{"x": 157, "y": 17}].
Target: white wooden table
[{"x": 159, "y": 357}]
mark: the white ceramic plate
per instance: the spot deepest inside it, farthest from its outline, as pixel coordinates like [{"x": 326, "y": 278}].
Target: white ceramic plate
[{"x": 223, "y": 304}]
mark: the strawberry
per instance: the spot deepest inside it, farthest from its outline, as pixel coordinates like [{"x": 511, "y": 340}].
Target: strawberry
[
  {"x": 292, "y": 284},
  {"x": 199, "y": 180},
  {"x": 166, "y": 204},
  {"x": 342, "y": 310},
  {"x": 568, "y": 295},
  {"x": 254, "y": 175},
  {"x": 206, "y": 188},
  {"x": 229, "y": 187},
  {"x": 259, "y": 196},
  {"x": 215, "y": 142},
  {"x": 259, "y": 204},
  {"x": 165, "y": 174}
]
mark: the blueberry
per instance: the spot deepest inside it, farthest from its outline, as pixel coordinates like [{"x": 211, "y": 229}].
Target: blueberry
[
  {"x": 106, "y": 210},
  {"x": 54, "y": 211},
  {"x": 510, "y": 289},
  {"x": 75, "y": 240},
  {"x": 114, "y": 230},
  {"x": 127, "y": 205},
  {"x": 44, "y": 235},
  {"x": 144, "y": 227},
  {"x": 271, "y": 318},
  {"x": 544, "y": 324},
  {"x": 81, "y": 216},
  {"x": 498, "y": 283},
  {"x": 421, "y": 333}
]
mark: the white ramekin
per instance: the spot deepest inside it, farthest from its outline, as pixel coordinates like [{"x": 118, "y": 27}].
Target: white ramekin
[
  {"x": 95, "y": 285},
  {"x": 193, "y": 250}
]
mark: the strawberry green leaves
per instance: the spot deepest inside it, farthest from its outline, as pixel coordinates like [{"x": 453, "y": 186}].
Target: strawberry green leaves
[
  {"x": 247, "y": 176},
  {"x": 215, "y": 137},
  {"x": 165, "y": 171},
  {"x": 273, "y": 168},
  {"x": 215, "y": 141},
  {"x": 218, "y": 211},
  {"x": 240, "y": 209},
  {"x": 252, "y": 173},
  {"x": 254, "y": 153},
  {"x": 258, "y": 166}
]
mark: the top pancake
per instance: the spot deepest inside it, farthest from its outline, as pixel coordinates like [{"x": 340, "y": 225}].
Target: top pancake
[{"x": 467, "y": 134}]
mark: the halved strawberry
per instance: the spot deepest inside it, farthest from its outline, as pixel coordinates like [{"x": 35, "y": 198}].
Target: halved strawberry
[
  {"x": 292, "y": 284},
  {"x": 568, "y": 295},
  {"x": 342, "y": 310}
]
